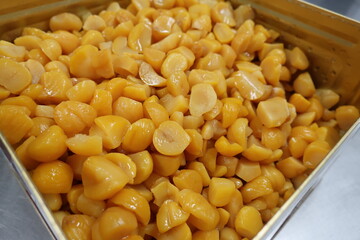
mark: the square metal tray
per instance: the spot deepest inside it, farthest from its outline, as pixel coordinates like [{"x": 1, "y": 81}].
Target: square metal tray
[{"x": 331, "y": 42}]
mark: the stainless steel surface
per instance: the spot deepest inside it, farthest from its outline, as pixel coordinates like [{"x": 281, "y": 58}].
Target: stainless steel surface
[
  {"x": 349, "y": 8},
  {"x": 292, "y": 214},
  {"x": 332, "y": 45},
  {"x": 19, "y": 220},
  {"x": 45, "y": 218},
  {"x": 331, "y": 210}
]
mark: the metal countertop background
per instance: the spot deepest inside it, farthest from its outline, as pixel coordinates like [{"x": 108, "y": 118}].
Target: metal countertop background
[{"x": 331, "y": 211}]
